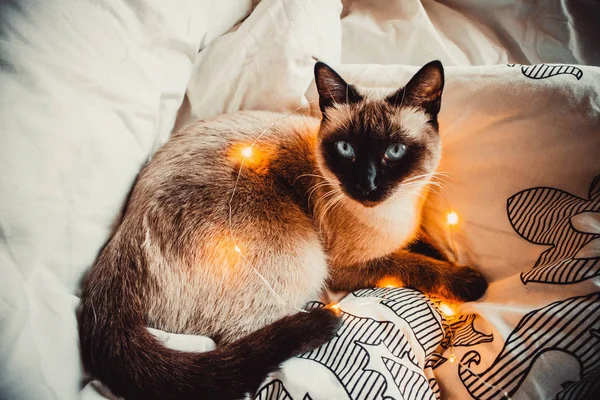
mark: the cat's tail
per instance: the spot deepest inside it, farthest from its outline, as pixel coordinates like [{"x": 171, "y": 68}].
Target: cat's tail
[{"x": 117, "y": 348}]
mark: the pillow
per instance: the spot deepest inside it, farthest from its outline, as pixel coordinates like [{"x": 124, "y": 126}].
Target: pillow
[
  {"x": 89, "y": 90},
  {"x": 267, "y": 63},
  {"x": 505, "y": 129},
  {"x": 384, "y": 350},
  {"x": 491, "y": 32},
  {"x": 521, "y": 171}
]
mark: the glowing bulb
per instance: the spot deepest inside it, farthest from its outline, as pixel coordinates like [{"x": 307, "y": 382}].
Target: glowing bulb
[
  {"x": 452, "y": 218},
  {"x": 446, "y": 310},
  {"x": 247, "y": 152},
  {"x": 336, "y": 308},
  {"x": 389, "y": 283},
  {"x": 237, "y": 249},
  {"x": 452, "y": 358}
]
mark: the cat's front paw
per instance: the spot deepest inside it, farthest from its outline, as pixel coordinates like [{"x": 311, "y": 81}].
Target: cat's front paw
[{"x": 467, "y": 284}]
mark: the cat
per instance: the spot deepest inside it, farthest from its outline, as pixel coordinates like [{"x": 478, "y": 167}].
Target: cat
[{"x": 332, "y": 202}]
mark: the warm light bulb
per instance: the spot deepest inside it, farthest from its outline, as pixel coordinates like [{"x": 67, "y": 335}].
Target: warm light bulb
[
  {"x": 389, "y": 283},
  {"x": 335, "y": 308},
  {"x": 247, "y": 152},
  {"x": 446, "y": 310},
  {"x": 452, "y": 218},
  {"x": 237, "y": 249},
  {"x": 452, "y": 358}
]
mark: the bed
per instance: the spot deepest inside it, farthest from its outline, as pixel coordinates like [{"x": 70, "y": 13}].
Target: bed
[{"x": 90, "y": 89}]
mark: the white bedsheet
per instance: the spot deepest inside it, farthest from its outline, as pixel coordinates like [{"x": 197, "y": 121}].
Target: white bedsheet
[{"x": 89, "y": 91}]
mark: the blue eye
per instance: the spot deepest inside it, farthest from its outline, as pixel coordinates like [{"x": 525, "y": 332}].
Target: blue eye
[
  {"x": 345, "y": 149},
  {"x": 395, "y": 151}
]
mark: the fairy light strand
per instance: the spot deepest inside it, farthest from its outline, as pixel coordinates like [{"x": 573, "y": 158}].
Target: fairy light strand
[
  {"x": 451, "y": 218},
  {"x": 449, "y": 313},
  {"x": 453, "y": 358},
  {"x": 247, "y": 153}
]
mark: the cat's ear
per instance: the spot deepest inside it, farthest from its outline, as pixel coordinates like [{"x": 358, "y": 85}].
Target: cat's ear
[
  {"x": 332, "y": 88},
  {"x": 424, "y": 90}
]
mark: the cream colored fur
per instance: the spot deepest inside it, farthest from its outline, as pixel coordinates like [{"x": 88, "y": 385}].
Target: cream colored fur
[{"x": 208, "y": 288}]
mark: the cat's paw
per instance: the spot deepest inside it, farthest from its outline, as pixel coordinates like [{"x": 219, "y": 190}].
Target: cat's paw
[
  {"x": 467, "y": 284},
  {"x": 319, "y": 324}
]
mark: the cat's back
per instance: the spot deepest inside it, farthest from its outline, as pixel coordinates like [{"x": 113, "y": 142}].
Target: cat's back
[
  {"x": 197, "y": 170},
  {"x": 219, "y": 145},
  {"x": 204, "y": 196}
]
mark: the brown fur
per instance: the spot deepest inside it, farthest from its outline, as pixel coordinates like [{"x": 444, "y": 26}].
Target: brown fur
[{"x": 172, "y": 263}]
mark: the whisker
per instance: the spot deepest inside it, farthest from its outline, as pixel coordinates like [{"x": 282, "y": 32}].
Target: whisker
[
  {"x": 422, "y": 197},
  {"x": 306, "y": 175},
  {"x": 316, "y": 187},
  {"x": 426, "y": 175},
  {"x": 328, "y": 195},
  {"x": 339, "y": 202},
  {"x": 336, "y": 199}
]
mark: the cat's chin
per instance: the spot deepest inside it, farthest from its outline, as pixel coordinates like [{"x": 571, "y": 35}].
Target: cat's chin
[{"x": 369, "y": 203}]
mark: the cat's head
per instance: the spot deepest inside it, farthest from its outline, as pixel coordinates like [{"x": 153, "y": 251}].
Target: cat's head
[{"x": 377, "y": 144}]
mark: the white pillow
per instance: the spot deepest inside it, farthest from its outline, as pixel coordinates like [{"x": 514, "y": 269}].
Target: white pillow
[
  {"x": 505, "y": 129},
  {"x": 522, "y": 158},
  {"x": 89, "y": 89},
  {"x": 267, "y": 63}
]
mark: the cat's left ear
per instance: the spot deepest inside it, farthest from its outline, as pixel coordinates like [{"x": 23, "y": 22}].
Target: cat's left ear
[
  {"x": 332, "y": 88},
  {"x": 424, "y": 90}
]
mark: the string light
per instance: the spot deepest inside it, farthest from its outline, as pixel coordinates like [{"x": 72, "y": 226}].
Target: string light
[
  {"x": 452, "y": 218},
  {"x": 247, "y": 152},
  {"x": 389, "y": 282},
  {"x": 446, "y": 310},
  {"x": 453, "y": 359}
]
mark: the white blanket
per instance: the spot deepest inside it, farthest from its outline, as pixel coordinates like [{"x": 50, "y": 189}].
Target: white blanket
[{"x": 90, "y": 91}]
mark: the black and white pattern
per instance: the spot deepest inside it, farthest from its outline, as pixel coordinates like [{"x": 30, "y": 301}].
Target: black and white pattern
[
  {"x": 274, "y": 390},
  {"x": 562, "y": 336},
  {"x": 543, "y": 71},
  {"x": 461, "y": 331},
  {"x": 550, "y": 217},
  {"x": 435, "y": 361},
  {"x": 383, "y": 357},
  {"x": 392, "y": 340}
]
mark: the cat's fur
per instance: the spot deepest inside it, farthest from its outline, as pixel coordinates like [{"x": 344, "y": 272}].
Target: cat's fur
[{"x": 301, "y": 216}]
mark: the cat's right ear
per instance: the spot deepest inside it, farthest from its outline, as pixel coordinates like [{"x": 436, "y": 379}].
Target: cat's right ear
[{"x": 332, "y": 88}]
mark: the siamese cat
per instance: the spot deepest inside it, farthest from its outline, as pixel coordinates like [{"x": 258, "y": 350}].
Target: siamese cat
[{"x": 320, "y": 203}]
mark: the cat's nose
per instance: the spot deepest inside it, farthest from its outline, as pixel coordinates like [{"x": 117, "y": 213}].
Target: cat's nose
[
  {"x": 368, "y": 182},
  {"x": 366, "y": 188}
]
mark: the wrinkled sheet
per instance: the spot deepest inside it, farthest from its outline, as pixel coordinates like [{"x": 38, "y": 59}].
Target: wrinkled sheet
[
  {"x": 90, "y": 90},
  {"x": 520, "y": 170}
]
